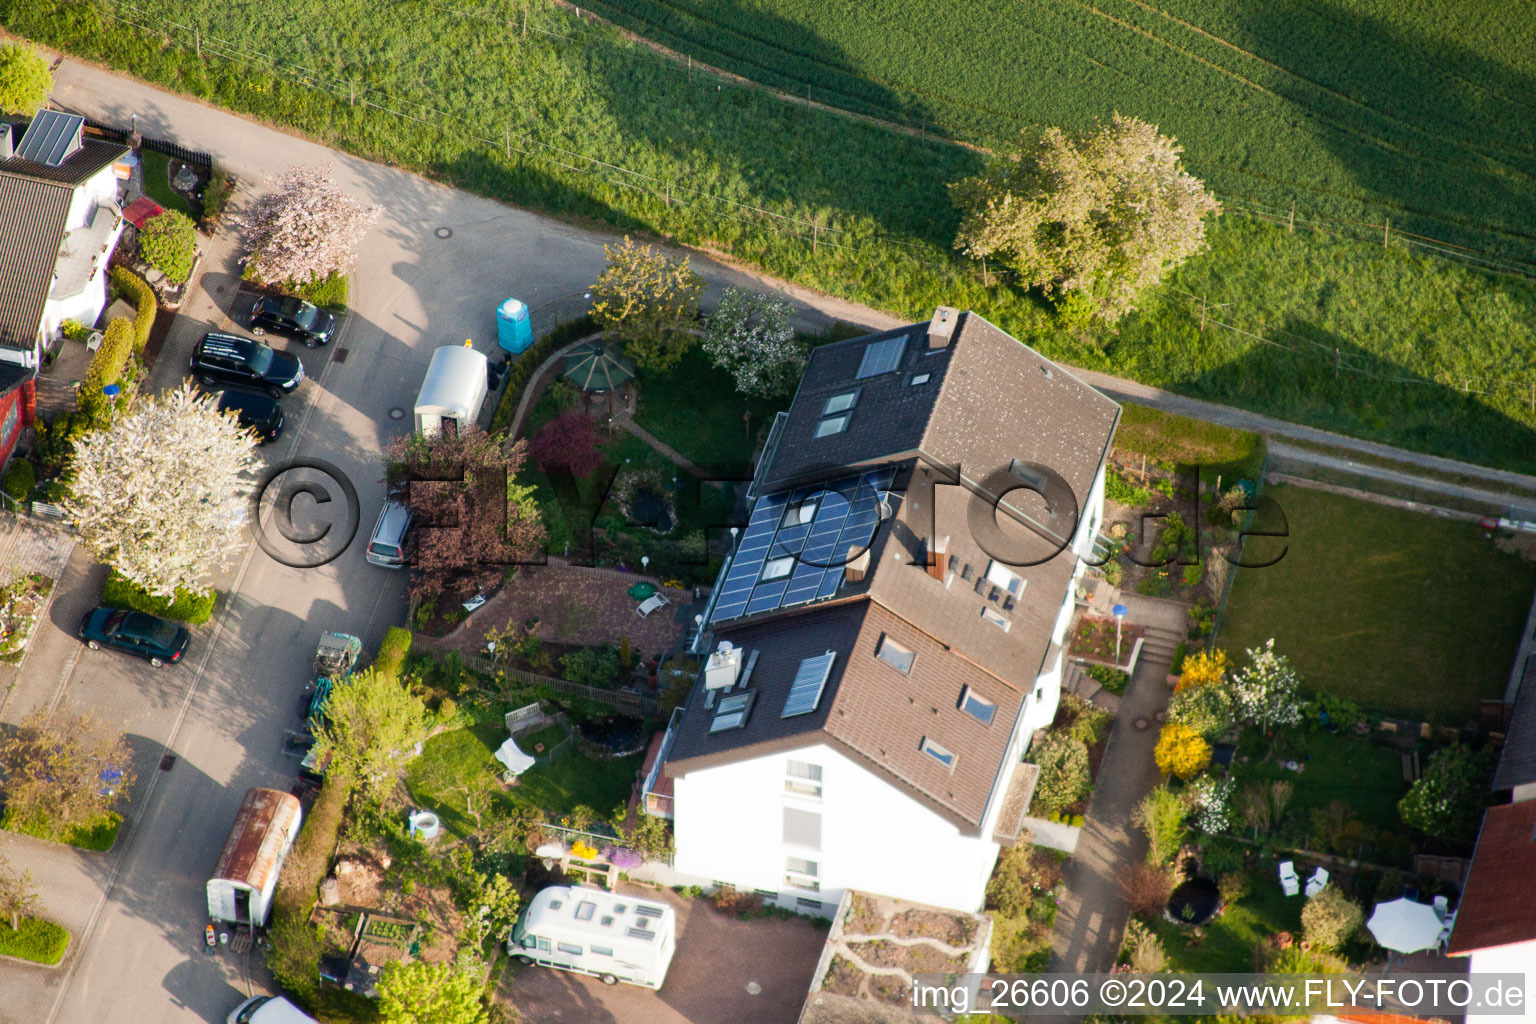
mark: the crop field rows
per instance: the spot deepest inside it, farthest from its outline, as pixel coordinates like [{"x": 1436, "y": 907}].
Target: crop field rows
[{"x": 571, "y": 119}]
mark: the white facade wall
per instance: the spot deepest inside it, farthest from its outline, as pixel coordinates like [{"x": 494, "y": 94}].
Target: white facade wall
[
  {"x": 729, "y": 827},
  {"x": 100, "y": 187},
  {"x": 1519, "y": 958}
]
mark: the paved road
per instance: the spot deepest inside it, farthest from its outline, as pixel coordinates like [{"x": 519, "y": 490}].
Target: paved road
[{"x": 138, "y": 911}]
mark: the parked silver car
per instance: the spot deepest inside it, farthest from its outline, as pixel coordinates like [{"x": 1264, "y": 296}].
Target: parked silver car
[{"x": 386, "y": 545}]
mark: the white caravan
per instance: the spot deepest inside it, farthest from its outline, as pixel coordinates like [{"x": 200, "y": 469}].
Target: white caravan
[
  {"x": 453, "y": 391},
  {"x": 609, "y": 936},
  {"x": 245, "y": 877},
  {"x": 268, "y": 1010}
]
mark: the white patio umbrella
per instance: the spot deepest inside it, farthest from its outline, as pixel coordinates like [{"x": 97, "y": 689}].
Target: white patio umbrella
[
  {"x": 513, "y": 757},
  {"x": 1405, "y": 925}
]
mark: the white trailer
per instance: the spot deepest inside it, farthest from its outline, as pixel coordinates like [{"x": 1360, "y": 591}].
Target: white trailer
[
  {"x": 453, "y": 391},
  {"x": 608, "y": 935},
  {"x": 245, "y": 877}
]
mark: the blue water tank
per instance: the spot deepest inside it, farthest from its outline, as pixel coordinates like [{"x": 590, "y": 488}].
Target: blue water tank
[{"x": 514, "y": 331}]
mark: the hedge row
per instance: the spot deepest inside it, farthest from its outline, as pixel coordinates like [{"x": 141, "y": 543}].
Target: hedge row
[
  {"x": 191, "y": 606},
  {"x": 137, "y": 291},
  {"x": 106, "y": 368},
  {"x": 40, "y": 941},
  {"x": 298, "y": 887},
  {"x": 522, "y": 370}
]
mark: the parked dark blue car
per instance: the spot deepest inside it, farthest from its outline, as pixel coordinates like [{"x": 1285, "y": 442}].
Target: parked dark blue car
[{"x": 151, "y": 638}]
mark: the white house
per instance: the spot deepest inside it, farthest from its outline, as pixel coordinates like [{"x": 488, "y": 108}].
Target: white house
[
  {"x": 889, "y": 630},
  {"x": 60, "y": 219},
  {"x": 1495, "y": 922}
]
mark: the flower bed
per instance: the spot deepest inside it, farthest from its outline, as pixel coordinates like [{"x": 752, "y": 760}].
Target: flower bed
[
  {"x": 1093, "y": 639},
  {"x": 919, "y": 958},
  {"x": 21, "y": 605}
]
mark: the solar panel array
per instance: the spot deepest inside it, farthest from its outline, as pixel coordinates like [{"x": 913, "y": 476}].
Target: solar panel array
[
  {"x": 881, "y": 356},
  {"x": 847, "y": 512},
  {"x": 805, "y": 691},
  {"x": 50, "y": 137}
]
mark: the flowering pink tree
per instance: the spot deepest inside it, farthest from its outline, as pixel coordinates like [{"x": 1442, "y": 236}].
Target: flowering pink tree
[{"x": 306, "y": 229}]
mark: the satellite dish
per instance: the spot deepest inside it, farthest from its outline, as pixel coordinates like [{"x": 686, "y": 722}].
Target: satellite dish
[{"x": 726, "y": 647}]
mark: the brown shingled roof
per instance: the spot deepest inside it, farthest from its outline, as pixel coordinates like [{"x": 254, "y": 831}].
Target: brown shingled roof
[
  {"x": 32, "y": 217},
  {"x": 1494, "y": 912}
]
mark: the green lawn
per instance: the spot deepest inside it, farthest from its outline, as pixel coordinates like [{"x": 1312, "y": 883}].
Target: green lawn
[
  {"x": 1402, "y": 612},
  {"x": 40, "y": 941},
  {"x": 549, "y": 736},
  {"x": 697, "y": 410},
  {"x": 1339, "y": 766},
  {"x": 450, "y": 758},
  {"x": 157, "y": 183},
  {"x": 1229, "y": 940}
]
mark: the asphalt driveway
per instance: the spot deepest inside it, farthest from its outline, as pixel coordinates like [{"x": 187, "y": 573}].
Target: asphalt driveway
[{"x": 725, "y": 971}]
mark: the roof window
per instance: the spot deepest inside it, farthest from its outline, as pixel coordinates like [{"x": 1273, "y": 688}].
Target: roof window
[
  {"x": 895, "y": 655},
  {"x": 840, "y": 403},
  {"x": 977, "y": 706},
  {"x": 938, "y": 753},
  {"x": 881, "y": 356},
  {"x": 732, "y": 711},
  {"x": 830, "y": 425}
]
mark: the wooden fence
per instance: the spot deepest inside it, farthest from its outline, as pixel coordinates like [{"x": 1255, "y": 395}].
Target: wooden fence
[{"x": 638, "y": 704}]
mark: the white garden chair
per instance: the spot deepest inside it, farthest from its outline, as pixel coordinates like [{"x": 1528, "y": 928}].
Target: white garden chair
[
  {"x": 1317, "y": 882},
  {"x": 1288, "y": 880}
]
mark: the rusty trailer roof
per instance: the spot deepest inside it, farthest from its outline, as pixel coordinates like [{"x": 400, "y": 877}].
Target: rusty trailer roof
[{"x": 257, "y": 839}]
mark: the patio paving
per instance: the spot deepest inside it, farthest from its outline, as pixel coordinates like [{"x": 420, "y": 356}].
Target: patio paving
[{"x": 575, "y": 605}]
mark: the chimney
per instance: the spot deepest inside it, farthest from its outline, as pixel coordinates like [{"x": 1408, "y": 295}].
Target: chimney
[
  {"x": 723, "y": 667},
  {"x": 7, "y": 150},
  {"x": 941, "y": 328},
  {"x": 857, "y": 564},
  {"x": 938, "y": 558}
]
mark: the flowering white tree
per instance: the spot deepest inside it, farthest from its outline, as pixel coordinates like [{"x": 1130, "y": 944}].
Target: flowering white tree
[
  {"x": 306, "y": 229},
  {"x": 160, "y": 494},
  {"x": 1267, "y": 692},
  {"x": 749, "y": 336},
  {"x": 1212, "y": 800}
]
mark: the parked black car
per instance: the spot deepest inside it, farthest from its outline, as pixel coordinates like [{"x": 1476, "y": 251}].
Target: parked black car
[
  {"x": 227, "y": 359},
  {"x": 299, "y": 320},
  {"x": 254, "y": 409},
  {"x": 138, "y": 633}
]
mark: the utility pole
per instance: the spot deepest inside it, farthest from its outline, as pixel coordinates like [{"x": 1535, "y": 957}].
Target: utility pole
[
  {"x": 351, "y": 94},
  {"x": 1386, "y": 232},
  {"x": 1202, "y": 314},
  {"x": 197, "y": 35},
  {"x": 525, "y": 22},
  {"x": 509, "y": 140},
  {"x": 1337, "y": 359},
  {"x": 690, "y": 67},
  {"x": 1291, "y": 227}
]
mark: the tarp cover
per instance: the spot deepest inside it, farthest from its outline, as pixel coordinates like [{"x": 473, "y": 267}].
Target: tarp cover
[
  {"x": 455, "y": 384},
  {"x": 516, "y": 761}
]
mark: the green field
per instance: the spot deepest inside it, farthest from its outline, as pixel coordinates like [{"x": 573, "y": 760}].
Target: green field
[
  {"x": 572, "y": 120},
  {"x": 1402, "y": 612},
  {"x": 1415, "y": 111}
]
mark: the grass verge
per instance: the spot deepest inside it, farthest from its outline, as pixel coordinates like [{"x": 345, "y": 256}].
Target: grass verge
[
  {"x": 97, "y": 836},
  {"x": 41, "y": 942}
]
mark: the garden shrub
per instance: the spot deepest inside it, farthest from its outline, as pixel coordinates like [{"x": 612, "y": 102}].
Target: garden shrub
[
  {"x": 592, "y": 666},
  {"x": 1233, "y": 886},
  {"x": 42, "y": 942},
  {"x": 1090, "y": 723},
  {"x": 1330, "y": 918},
  {"x": 1147, "y": 888},
  {"x": 215, "y": 198},
  {"x": 1121, "y": 491},
  {"x": 106, "y": 368},
  {"x": 74, "y": 330},
  {"x": 1064, "y": 773},
  {"x": 20, "y": 479},
  {"x": 1161, "y": 815},
  {"x": 730, "y": 900},
  {"x": 328, "y": 292},
  {"x": 294, "y": 948},
  {"x": 1448, "y": 799},
  {"x": 392, "y": 652},
  {"x": 168, "y": 243},
  {"x": 1141, "y": 950},
  {"x": 1205, "y": 709},
  {"x": 1203, "y": 668},
  {"x": 194, "y": 607},
  {"x": 1181, "y": 751},
  {"x": 1109, "y": 677},
  {"x": 145, "y": 304},
  {"x": 55, "y": 439}
]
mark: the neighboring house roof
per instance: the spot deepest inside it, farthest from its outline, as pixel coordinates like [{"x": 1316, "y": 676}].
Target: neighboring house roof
[
  {"x": 1493, "y": 911},
  {"x": 32, "y": 218},
  {"x": 13, "y": 375},
  {"x": 74, "y": 169},
  {"x": 1517, "y": 761},
  {"x": 988, "y": 401}
]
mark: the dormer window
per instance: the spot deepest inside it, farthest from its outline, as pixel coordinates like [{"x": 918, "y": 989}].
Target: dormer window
[
  {"x": 830, "y": 425},
  {"x": 997, "y": 618},
  {"x": 895, "y": 655},
  {"x": 778, "y": 568},
  {"x": 1002, "y": 576},
  {"x": 840, "y": 403},
  {"x": 938, "y": 753}
]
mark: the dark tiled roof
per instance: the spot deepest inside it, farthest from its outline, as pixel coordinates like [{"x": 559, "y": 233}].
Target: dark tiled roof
[
  {"x": 12, "y": 376},
  {"x": 889, "y": 416},
  {"x": 32, "y": 217},
  {"x": 871, "y": 712},
  {"x": 1498, "y": 903},
  {"x": 82, "y": 165},
  {"x": 1517, "y": 762}
]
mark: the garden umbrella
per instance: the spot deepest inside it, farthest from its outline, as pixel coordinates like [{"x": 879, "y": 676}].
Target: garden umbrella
[
  {"x": 596, "y": 366},
  {"x": 1405, "y": 925}
]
